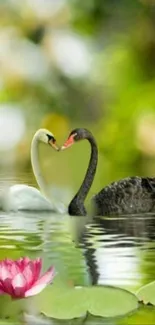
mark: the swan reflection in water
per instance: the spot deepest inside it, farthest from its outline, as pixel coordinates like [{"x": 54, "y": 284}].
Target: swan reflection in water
[{"x": 115, "y": 249}]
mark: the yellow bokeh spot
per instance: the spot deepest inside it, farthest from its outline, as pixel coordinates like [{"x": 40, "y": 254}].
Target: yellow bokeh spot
[{"x": 57, "y": 124}]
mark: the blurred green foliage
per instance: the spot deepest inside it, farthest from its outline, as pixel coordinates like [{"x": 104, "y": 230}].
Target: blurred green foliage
[{"x": 113, "y": 97}]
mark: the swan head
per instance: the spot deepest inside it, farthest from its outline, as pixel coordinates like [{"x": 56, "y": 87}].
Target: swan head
[
  {"x": 45, "y": 136},
  {"x": 74, "y": 136}
]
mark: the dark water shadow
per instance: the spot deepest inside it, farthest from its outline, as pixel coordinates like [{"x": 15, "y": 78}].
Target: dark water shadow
[{"x": 121, "y": 239}]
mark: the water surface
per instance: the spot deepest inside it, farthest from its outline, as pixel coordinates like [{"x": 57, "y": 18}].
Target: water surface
[{"x": 112, "y": 251}]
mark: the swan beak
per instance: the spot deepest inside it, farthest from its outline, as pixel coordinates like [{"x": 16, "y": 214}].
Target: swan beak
[
  {"x": 62, "y": 148},
  {"x": 69, "y": 142},
  {"x": 65, "y": 147},
  {"x": 53, "y": 145}
]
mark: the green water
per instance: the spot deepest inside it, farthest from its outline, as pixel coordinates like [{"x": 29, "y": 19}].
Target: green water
[{"x": 109, "y": 251}]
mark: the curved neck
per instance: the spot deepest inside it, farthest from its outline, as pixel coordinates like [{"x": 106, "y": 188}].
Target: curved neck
[
  {"x": 76, "y": 206},
  {"x": 36, "y": 166}
]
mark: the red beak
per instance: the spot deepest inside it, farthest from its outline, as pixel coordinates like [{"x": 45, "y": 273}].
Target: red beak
[{"x": 68, "y": 142}]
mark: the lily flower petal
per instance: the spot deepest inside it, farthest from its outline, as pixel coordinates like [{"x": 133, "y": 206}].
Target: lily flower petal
[
  {"x": 19, "y": 284},
  {"x": 38, "y": 266},
  {"x": 4, "y": 273},
  {"x": 39, "y": 285}
]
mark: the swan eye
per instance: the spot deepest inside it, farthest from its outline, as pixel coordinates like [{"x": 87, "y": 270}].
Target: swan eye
[{"x": 50, "y": 137}]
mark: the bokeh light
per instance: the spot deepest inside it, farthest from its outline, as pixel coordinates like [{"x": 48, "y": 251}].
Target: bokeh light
[{"x": 12, "y": 127}]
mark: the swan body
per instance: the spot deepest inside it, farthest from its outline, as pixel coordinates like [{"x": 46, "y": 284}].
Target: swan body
[
  {"x": 24, "y": 197},
  {"x": 21, "y": 197},
  {"x": 127, "y": 196},
  {"x": 130, "y": 195}
]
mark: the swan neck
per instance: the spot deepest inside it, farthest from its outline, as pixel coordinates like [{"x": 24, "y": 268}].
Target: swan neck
[
  {"x": 76, "y": 206},
  {"x": 36, "y": 166}
]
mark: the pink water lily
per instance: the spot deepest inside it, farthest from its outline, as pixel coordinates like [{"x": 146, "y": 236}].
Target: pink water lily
[{"x": 21, "y": 278}]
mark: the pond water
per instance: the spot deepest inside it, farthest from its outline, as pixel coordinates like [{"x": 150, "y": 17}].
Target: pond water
[{"x": 114, "y": 251}]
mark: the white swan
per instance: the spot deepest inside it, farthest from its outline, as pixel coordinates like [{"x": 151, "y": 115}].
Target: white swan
[{"x": 24, "y": 197}]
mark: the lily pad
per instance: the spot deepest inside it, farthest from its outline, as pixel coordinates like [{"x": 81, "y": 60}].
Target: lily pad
[
  {"x": 69, "y": 303},
  {"x": 10, "y": 308},
  {"x": 62, "y": 304},
  {"x": 146, "y": 294},
  {"x": 108, "y": 301}
]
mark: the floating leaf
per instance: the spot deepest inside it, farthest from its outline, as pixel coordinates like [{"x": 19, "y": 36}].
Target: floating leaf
[
  {"x": 68, "y": 303},
  {"x": 62, "y": 304},
  {"x": 10, "y": 308},
  {"x": 146, "y": 294},
  {"x": 107, "y": 301}
]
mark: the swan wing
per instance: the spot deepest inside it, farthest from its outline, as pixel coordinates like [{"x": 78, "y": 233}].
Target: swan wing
[{"x": 25, "y": 197}]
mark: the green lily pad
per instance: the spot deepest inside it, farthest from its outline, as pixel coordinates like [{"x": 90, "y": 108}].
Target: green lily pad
[
  {"x": 108, "y": 301},
  {"x": 69, "y": 303},
  {"x": 10, "y": 308},
  {"x": 146, "y": 294},
  {"x": 61, "y": 304}
]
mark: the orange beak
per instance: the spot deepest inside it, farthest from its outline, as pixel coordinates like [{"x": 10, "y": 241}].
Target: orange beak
[{"x": 69, "y": 142}]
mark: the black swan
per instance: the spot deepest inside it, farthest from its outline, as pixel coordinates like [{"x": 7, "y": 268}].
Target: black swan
[{"x": 130, "y": 195}]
